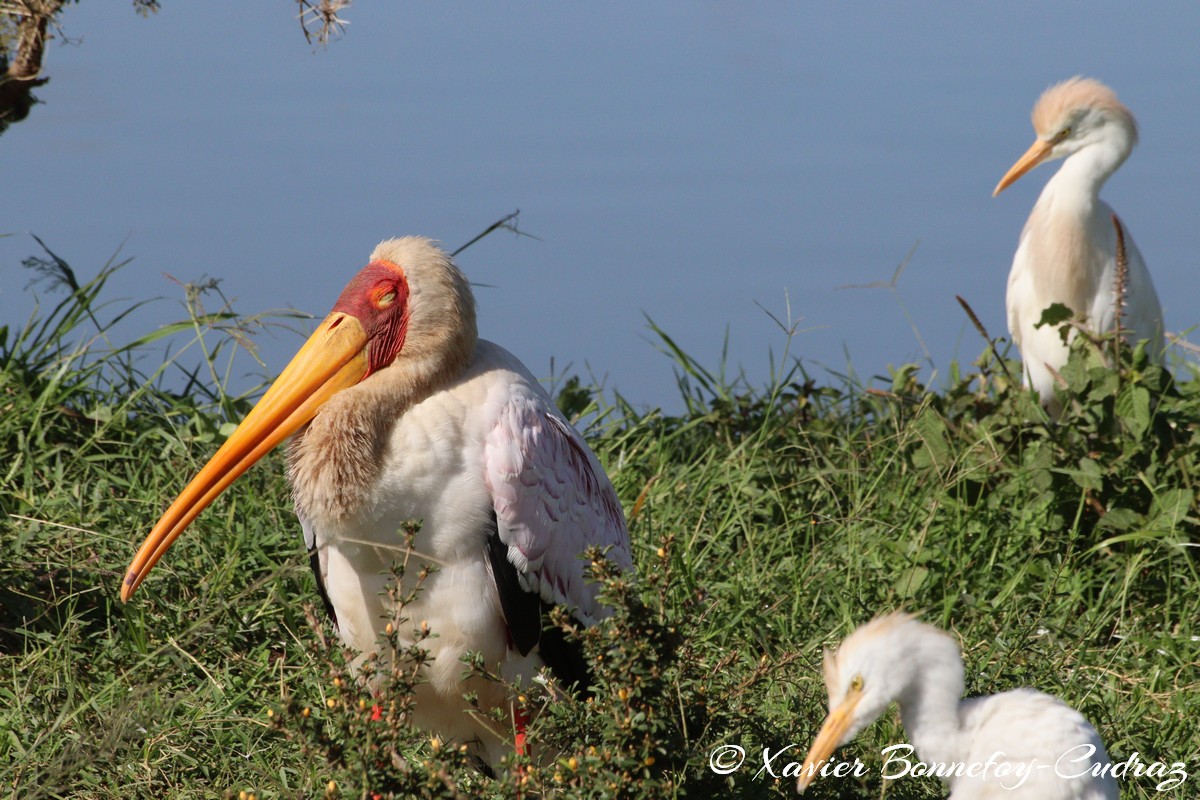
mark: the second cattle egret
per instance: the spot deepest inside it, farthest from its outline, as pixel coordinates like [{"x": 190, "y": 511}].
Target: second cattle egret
[
  {"x": 1037, "y": 746},
  {"x": 400, "y": 413},
  {"x": 1067, "y": 250}
]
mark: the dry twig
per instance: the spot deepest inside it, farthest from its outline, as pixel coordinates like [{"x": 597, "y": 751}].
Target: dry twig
[{"x": 319, "y": 20}]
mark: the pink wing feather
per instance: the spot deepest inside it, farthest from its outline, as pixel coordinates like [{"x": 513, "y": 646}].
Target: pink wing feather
[{"x": 553, "y": 500}]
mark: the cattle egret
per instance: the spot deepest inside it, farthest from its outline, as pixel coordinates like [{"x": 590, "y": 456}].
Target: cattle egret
[
  {"x": 401, "y": 413},
  {"x": 1019, "y": 745},
  {"x": 1068, "y": 247}
]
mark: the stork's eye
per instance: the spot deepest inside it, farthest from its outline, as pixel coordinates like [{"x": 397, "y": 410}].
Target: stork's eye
[
  {"x": 856, "y": 683},
  {"x": 386, "y": 299}
]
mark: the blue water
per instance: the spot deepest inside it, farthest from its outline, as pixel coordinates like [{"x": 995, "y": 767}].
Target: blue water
[{"x": 696, "y": 163}]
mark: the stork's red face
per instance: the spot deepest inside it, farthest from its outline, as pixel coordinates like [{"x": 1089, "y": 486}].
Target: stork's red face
[
  {"x": 378, "y": 298},
  {"x": 363, "y": 333}
]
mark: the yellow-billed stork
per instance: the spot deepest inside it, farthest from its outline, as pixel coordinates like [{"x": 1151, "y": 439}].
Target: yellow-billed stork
[{"x": 400, "y": 413}]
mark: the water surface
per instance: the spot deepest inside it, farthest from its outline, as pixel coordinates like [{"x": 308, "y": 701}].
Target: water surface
[{"x": 696, "y": 163}]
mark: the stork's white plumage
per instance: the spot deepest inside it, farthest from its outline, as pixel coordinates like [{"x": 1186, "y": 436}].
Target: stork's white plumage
[
  {"x": 1038, "y": 747},
  {"x": 402, "y": 414},
  {"x": 1067, "y": 250}
]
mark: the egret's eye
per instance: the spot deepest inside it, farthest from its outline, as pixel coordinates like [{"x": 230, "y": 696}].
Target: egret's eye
[
  {"x": 856, "y": 683},
  {"x": 386, "y": 299},
  {"x": 1063, "y": 134}
]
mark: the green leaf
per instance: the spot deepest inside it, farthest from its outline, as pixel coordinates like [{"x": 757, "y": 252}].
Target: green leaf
[
  {"x": 1133, "y": 408},
  {"x": 910, "y": 580},
  {"x": 1088, "y": 476},
  {"x": 1054, "y": 314},
  {"x": 1169, "y": 509},
  {"x": 935, "y": 449}
]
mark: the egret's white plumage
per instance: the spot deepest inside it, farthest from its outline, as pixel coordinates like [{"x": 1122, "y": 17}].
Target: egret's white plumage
[
  {"x": 1035, "y": 741},
  {"x": 401, "y": 414},
  {"x": 1067, "y": 250}
]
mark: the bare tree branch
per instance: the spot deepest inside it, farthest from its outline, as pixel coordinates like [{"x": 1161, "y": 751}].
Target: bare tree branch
[
  {"x": 30, "y": 18},
  {"x": 319, "y": 20},
  {"x": 26, "y": 22}
]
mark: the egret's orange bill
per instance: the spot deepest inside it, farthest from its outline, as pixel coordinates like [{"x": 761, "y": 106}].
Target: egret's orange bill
[
  {"x": 334, "y": 358},
  {"x": 828, "y": 739},
  {"x": 1035, "y": 155}
]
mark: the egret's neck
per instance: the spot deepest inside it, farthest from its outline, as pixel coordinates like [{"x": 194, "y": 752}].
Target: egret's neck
[
  {"x": 929, "y": 712},
  {"x": 1076, "y": 186}
]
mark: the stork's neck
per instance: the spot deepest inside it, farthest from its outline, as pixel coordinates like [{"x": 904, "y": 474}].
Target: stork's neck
[
  {"x": 929, "y": 711},
  {"x": 335, "y": 460},
  {"x": 416, "y": 374}
]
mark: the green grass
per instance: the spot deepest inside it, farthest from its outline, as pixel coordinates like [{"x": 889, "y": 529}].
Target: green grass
[{"x": 767, "y": 522}]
